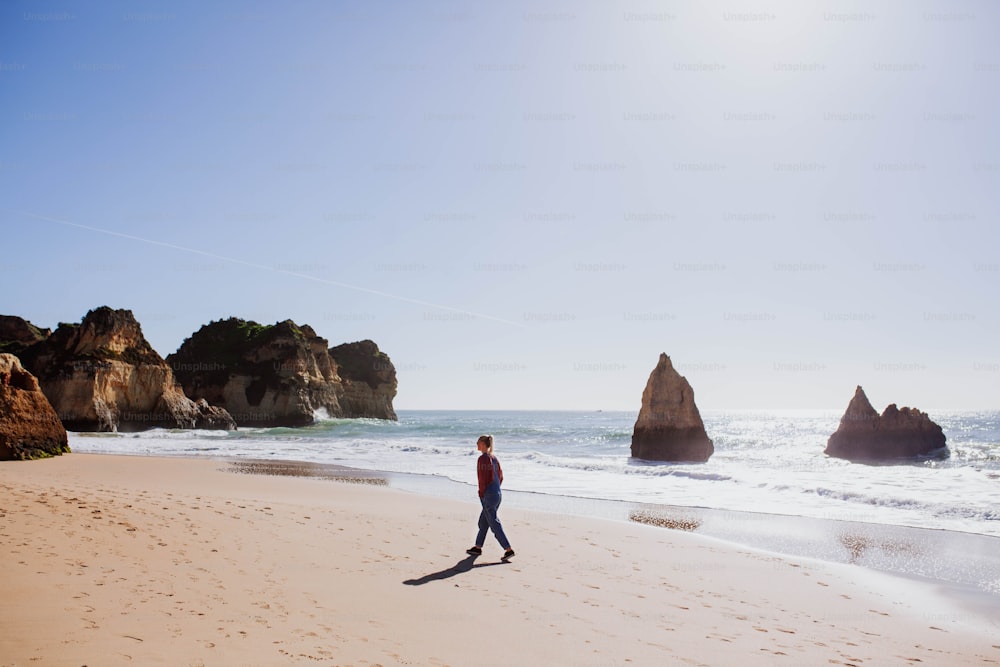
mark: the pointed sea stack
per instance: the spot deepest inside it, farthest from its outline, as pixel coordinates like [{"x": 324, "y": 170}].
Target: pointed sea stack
[
  {"x": 864, "y": 435},
  {"x": 669, "y": 427},
  {"x": 29, "y": 427}
]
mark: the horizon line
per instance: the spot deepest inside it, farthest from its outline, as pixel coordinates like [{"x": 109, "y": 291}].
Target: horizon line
[{"x": 744, "y": 409}]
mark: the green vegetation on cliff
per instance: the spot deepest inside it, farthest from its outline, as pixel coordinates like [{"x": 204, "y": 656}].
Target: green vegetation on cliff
[
  {"x": 229, "y": 343},
  {"x": 17, "y": 334},
  {"x": 232, "y": 346}
]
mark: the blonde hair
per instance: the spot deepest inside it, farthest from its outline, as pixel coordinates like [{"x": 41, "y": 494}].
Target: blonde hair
[{"x": 488, "y": 439}]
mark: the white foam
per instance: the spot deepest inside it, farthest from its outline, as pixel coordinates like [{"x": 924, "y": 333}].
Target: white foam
[{"x": 762, "y": 462}]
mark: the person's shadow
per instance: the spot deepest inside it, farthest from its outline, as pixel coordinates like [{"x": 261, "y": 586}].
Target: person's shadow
[{"x": 464, "y": 565}]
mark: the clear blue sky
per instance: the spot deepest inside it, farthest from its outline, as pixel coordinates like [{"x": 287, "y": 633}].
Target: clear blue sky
[{"x": 524, "y": 204}]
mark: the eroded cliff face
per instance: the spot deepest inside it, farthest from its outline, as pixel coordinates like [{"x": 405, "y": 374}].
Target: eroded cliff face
[
  {"x": 102, "y": 375},
  {"x": 369, "y": 380},
  {"x": 864, "y": 435},
  {"x": 276, "y": 375},
  {"x": 29, "y": 427},
  {"x": 669, "y": 426}
]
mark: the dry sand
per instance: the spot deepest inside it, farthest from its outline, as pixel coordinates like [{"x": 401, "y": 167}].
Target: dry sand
[{"x": 111, "y": 560}]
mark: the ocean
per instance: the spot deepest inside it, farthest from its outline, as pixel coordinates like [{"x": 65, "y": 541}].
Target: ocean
[
  {"x": 935, "y": 518},
  {"x": 764, "y": 461}
]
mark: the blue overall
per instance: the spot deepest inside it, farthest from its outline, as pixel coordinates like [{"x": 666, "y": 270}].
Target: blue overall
[{"x": 488, "y": 517}]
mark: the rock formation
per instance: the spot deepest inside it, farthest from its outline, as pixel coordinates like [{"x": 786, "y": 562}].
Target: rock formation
[
  {"x": 276, "y": 375},
  {"x": 669, "y": 427},
  {"x": 864, "y": 435},
  {"x": 102, "y": 375},
  {"x": 369, "y": 380},
  {"x": 29, "y": 427},
  {"x": 17, "y": 334}
]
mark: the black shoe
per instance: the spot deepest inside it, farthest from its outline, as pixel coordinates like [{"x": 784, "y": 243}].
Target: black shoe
[
  {"x": 475, "y": 551},
  {"x": 507, "y": 555}
]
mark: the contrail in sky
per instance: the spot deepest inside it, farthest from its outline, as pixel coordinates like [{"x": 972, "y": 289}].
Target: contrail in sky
[{"x": 265, "y": 267}]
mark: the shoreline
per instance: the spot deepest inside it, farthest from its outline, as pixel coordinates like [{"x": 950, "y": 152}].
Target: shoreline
[
  {"x": 583, "y": 455},
  {"x": 150, "y": 559},
  {"x": 436, "y": 482},
  {"x": 965, "y": 565}
]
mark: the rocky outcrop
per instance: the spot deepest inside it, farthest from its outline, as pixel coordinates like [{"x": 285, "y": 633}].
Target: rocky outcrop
[
  {"x": 864, "y": 435},
  {"x": 368, "y": 378},
  {"x": 265, "y": 375},
  {"x": 669, "y": 427},
  {"x": 102, "y": 375},
  {"x": 17, "y": 334},
  {"x": 29, "y": 427}
]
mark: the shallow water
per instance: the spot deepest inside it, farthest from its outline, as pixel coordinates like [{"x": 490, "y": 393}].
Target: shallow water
[{"x": 767, "y": 461}]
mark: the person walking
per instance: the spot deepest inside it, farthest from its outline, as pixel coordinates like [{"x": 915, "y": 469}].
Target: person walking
[{"x": 490, "y": 476}]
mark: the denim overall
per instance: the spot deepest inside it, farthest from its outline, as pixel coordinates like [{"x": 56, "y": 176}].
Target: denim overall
[{"x": 488, "y": 517}]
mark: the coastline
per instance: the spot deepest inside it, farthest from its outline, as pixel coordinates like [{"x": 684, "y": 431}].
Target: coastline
[
  {"x": 582, "y": 455},
  {"x": 966, "y": 566},
  {"x": 179, "y": 560}
]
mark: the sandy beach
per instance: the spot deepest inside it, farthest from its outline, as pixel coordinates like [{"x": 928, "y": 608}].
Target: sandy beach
[{"x": 117, "y": 560}]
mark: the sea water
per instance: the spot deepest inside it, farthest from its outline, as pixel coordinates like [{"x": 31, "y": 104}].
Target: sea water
[{"x": 764, "y": 461}]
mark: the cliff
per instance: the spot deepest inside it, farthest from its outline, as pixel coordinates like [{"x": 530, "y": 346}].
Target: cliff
[
  {"x": 368, "y": 378},
  {"x": 864, "y": 435},
  {"x": 102, "y": 375},
  {"x": 29, "y": 427},
  {"x": 17, "y": 334},
  {"x": 265, "y": 375},
  {"x": 669, "y": 426}
]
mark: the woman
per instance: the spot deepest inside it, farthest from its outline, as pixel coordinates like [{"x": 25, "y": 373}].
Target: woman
[{"x": 490, "y": 477}]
